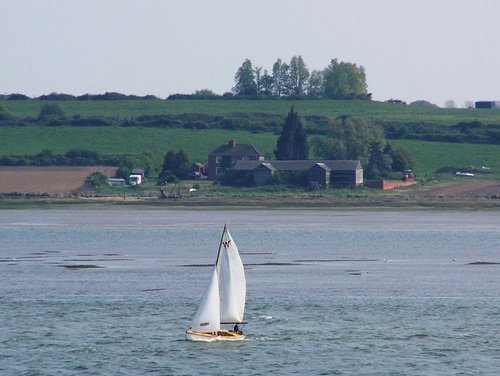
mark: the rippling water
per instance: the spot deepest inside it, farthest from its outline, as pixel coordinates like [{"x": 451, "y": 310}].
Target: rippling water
[{"x": 111, "y": 291}]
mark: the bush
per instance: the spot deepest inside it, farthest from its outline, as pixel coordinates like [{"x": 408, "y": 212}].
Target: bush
[
  {"x": 56, "y": 97},
  {"x": 4, "y": 115},
  {"x": 51, "y": 111},
  {"x": 82, "y": 157},
  {"x": 17, "y": 97},
  {"x": 237, "y": 179},
  {"x": 171, "y": 179},
  {"x": 97, "y": 180}
]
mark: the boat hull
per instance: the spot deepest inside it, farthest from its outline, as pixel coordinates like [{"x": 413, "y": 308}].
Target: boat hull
[{"x": 221, "y": 335}]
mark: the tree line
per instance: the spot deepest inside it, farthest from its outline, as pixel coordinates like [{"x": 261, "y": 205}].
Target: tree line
[
  {"x": 338, "y": 80},
  {"x": 108, "y": 96}
]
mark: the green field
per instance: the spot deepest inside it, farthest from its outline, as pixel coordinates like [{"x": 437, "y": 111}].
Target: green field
[
  {"x": 119, "y": 140},
  {"x": 430, "y": 156},
  {"x": 331, "y": 108},
  {"x": 125, "y": 140}
]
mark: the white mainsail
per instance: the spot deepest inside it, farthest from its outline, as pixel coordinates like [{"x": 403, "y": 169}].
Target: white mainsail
[
  {"x": 224, "y": 300},
  {"x": 207, "y": 318},
  {"x": 232, "y": 285}
]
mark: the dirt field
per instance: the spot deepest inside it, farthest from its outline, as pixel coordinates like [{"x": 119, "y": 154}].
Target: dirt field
[
  {"x": 464, "y": 188},
  {"x": 52, "y": 180}
]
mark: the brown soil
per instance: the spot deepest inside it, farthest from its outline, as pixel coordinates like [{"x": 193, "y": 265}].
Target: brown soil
[
  {"x": 464, "y": 188},
  {"x": 51, "y": 180}
]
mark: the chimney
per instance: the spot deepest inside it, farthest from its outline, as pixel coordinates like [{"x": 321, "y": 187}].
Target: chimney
[{"x": 232, "y": 143}]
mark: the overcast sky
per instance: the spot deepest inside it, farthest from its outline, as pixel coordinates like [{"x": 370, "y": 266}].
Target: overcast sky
[{"x": 435, "y": 50}]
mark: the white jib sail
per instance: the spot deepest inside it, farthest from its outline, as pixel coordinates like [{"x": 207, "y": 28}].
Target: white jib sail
[
  {"x": 232, "y": 285},
  {"x": 207, "y": 318}
]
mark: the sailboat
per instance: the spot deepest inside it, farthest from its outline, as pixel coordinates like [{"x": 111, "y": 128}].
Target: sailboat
[{"x": 224, "y": 300}]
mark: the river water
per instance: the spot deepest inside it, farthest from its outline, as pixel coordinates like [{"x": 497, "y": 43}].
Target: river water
[{"x": 111, "y": 292}]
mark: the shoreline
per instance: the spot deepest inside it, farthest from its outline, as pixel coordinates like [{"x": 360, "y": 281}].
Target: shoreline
[{"x": 258, "y": 203}]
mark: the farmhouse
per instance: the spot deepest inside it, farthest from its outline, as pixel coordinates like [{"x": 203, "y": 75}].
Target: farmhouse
[
  {"x": 225, "y": 157},
  {"x": 324, "y": 173}
]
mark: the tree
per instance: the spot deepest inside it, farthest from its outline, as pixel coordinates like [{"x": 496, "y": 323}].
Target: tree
[
  {"x": 402, "y": 159},
  {"x": 175, "y": 163},
  {"x": 344, "y": 81},
  {"x": 468, "y": 104},
  {"x": 450, "y": 103},
  {"x": 182, "y": 165},
  {"x": 292, "y": 143},
  {"x": 315, "y": 84},
  {"x": 258, "y": 83},
  {"x": 51, "y": 111},
  {"x": 348, "y": 137},
  {"x": 280, "y": 78},
  {"x": 204, "y": 93},
  {"x": 168, "y": 164},
  {"x": 244, "y": 78},
  {"x": 266, "y": 84},
  {"x": 297, "y": 76},
  {"x": 4, "y": 114},
  {"x": 97, "y": 180},
  {"x": 379, "y": 163}
]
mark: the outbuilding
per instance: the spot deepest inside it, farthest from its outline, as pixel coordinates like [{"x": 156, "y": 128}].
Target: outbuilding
[
  {"x": 263, "y": 174},
  {"x": 335, "y": 173},
  {"x": 319, "y": 175}
]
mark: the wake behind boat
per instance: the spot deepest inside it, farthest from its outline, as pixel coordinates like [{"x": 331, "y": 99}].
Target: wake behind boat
[{"x": 224, "y": 300}]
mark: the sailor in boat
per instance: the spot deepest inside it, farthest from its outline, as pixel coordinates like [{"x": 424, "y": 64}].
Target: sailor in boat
[{"x": 236, "y": 329}]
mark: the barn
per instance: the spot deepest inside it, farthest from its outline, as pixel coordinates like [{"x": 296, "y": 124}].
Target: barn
[
  {"x": 487, "y": 104},
  {"x": 335, "y": 173}
]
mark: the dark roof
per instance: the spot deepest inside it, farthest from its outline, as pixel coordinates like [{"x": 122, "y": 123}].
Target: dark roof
[
  {"x": 266, "y": 165},
  {"x": 322, "y": 166},
  {"x": 236, "y": 151},
  {"x": 300, "y": 165}
]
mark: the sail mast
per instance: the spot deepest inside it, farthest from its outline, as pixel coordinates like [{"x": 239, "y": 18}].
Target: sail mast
[{"x": 220, "y": 244}]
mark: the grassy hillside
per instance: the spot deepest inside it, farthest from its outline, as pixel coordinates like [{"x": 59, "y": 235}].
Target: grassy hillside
[
  {"x": 130, "y": 140},
  {"x": 117, "y": 140},
  {"x": 332, "y": 108},
  {"x": 432, "y": 155}
]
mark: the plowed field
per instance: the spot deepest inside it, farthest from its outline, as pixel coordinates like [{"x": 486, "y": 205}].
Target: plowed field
[
  {"x": 52, "y": 180},
  {"x": 464, "y": 187}
]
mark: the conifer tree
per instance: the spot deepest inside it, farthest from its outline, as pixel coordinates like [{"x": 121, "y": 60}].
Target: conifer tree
[
  {"x": 379, "y": 163},
  {"x": 292, "y": 143},
  {"x": 168, "y": 163},
  {"x": 182, "y": 164}
]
